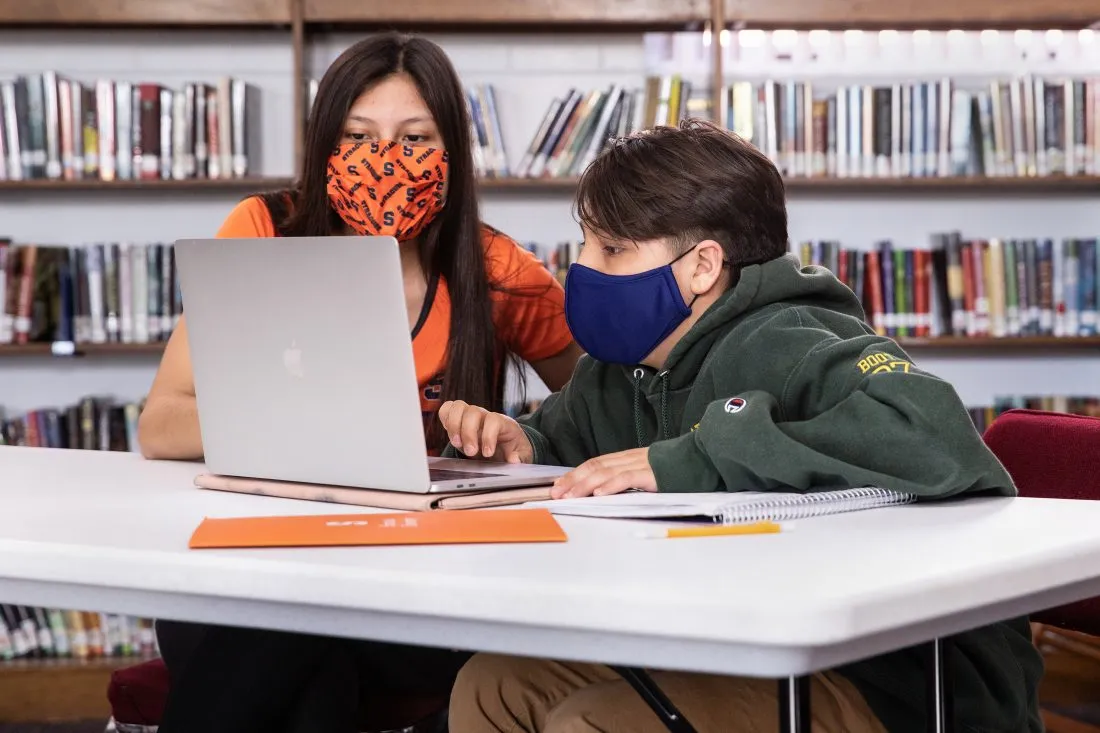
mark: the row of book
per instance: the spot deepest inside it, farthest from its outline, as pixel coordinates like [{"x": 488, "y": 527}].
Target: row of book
[
  {"x": 129, "y": 293},
  {"x": 98, "y": 293},
  {"x": 984, "y": 416},
  {"x": 575, "y": 127},
  {"x": 1025, "y": 126},
  {"x": 93, "y": 423},
  {"x": 578, "y": 126},
  {"x": 997, "y": 288},
  {"x": 55, "y": 127},
  {"x": 28, "y": 632},
  {"x": 978, "y": 287}
]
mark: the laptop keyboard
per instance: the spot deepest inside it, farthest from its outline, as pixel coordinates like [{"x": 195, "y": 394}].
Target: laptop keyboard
[{"x": 447, "y": 474}]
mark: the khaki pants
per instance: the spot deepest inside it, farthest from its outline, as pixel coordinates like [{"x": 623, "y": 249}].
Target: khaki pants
[{"x": 512, "y": 694}]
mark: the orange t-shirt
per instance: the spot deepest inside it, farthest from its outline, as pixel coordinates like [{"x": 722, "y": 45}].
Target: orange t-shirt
[{"x": 532, "y": 326}]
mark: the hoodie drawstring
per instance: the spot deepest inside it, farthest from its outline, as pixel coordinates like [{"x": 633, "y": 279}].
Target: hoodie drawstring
[
  {"x": 665, "y": 419},
  {"x": 665, "y": 430}
]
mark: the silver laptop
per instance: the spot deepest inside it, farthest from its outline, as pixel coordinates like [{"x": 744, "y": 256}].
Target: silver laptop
[{"x": 304, "y": 371}]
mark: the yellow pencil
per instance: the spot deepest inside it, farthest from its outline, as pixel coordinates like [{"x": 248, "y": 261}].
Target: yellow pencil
[{"x": 714, "y": 530}]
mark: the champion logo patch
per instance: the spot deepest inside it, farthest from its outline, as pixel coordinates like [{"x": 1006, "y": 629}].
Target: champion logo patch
[{"x": 735, "y": 404}]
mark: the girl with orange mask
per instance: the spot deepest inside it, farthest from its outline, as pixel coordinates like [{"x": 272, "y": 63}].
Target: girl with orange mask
[{"x": 387, "y": 152}]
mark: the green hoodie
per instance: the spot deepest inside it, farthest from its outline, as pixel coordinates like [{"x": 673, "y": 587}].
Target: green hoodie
[{"x": 823, "y": 401}]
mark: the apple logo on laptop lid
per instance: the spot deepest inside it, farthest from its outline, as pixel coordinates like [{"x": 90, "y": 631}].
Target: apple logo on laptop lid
[{"x": 292, "y": 360}]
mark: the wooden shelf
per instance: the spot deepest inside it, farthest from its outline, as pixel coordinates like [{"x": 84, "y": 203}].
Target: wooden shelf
[
  {"x": 513, "y": 14},
  {"x": 528, "y": 185},
  {"x": 109, "y": 349},
  {"x": 913, "y": 14},
  {"x": 954, "y": 344},
  {"x": 957, "y": 184},
  {"x": 1030, "y": 344},
  {"x": 144, "y": 13},
  {"x": 57, "y": 690},
  {"x": 471, "y": 15},
  {"x": 49, "y": 664},
  {"x": 258, "y": 183},
  {"x": 886, "y": 186}
]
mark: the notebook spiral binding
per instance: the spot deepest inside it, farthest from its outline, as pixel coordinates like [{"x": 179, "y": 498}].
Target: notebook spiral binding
[{"x": 812, "y": 504}]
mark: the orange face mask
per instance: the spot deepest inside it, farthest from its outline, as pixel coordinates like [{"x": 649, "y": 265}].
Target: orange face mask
[{"x": 385, "y": 188}]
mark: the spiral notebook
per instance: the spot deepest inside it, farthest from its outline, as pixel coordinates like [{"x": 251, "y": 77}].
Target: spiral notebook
[{"x": 728, "y": 507}]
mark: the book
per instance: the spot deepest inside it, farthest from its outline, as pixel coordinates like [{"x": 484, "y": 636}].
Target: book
[
  {"x": 728, "y": 507},
  {"x": 407, "y": 528},
  {"x": 370, "y": 497}
]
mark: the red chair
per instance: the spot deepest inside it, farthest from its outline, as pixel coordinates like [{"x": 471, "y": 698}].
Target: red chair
[
  {"x": 137, "y": 696},
  {"x": 1055, "y": 456}
]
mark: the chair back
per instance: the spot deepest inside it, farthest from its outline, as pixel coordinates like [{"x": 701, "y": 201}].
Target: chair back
[{"x": 1052, "y": 456}]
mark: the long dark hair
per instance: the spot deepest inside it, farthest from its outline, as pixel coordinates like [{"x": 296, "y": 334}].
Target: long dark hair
[{"x": 451, "y": 245}]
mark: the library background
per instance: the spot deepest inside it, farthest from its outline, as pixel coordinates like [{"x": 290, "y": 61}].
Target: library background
[{"x": 942, "y": 158}]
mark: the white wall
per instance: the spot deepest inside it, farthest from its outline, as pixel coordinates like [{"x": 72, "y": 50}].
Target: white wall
[{"x": 527, "y": 71}]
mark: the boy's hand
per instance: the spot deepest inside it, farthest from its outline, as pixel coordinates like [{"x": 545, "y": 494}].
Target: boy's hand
[
  {"x": 474, "y": 430},
  {"x": 610, "y": 474}
]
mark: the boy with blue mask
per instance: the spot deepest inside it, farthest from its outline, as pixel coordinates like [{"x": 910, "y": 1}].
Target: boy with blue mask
[{"x": 716, "y": 363}]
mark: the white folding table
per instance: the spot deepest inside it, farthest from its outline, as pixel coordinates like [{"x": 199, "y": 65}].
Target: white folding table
[{"x": 109, "y": 532}]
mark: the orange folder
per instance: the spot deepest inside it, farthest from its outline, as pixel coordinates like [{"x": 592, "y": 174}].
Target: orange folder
[{"x": 406, "y": 528}]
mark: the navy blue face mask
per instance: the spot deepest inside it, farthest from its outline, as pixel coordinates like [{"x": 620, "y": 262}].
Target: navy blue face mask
[{"x": 621, "y": 319}]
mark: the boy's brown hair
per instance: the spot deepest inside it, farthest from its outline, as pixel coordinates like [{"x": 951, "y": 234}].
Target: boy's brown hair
[{"x": 687, "y": 184}]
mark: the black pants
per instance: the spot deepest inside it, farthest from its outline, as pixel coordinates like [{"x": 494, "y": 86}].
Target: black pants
[{"x": 226, "y": 679}]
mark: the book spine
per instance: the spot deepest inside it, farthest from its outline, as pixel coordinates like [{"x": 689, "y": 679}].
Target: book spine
[
  {"x": 889, "y": 298},
  {"x": 1012, "y": 297}
]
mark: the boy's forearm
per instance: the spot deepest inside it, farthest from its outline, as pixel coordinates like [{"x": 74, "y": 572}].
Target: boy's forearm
[{"x": 169, "y": 429}]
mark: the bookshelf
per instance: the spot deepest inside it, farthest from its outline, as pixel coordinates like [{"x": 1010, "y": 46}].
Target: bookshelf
[
  {"x": 88, "y": 349},
  {"x": 973, "y": 344},
  {"x": 928, "y": 14},
  {"x": 576, "y": 15},
  {"x": 298, "y": 37},
  {"x": 57, "y": 690},
  {"x": 896, "y": 187},
  {"x": 531, "y": 49},
  {"x": 144, "y": 13},
  {"x": 993, "y": 346},
  {"x": 557, "y": 14},
  {"x": 280, "y": 44},
  {"x": 990, "y": 346},
  {"x": 236, "y": 185}
]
